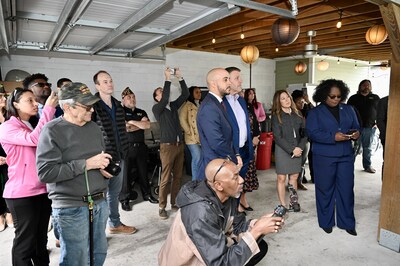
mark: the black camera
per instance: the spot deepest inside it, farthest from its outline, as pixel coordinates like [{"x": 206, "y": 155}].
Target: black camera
[
  {"x": 113, "y": 168},
  {"x": 279, "y": 211}
]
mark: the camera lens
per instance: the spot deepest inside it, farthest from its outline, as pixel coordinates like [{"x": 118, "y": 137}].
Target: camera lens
[{"x": 113, "y": 168}]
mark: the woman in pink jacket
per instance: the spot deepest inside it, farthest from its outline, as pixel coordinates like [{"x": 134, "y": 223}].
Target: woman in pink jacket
[{"x": 26, "y": 197}]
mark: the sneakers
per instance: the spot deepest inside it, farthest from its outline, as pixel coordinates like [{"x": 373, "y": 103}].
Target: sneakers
[
  {"x": 294, "y": 199},
  {"x": 294, "y": 207},
  {"x": 122, "y": 229},
  {"x": 163, "y": 214},
  {"x": 174, "y": 208}
]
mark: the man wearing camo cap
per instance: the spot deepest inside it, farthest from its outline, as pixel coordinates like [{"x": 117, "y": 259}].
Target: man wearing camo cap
[{"x": 70, "y": 159}]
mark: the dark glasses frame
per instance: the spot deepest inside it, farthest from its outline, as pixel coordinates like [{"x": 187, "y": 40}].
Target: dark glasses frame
[
  {"x": 227, "y": 159},
  {"x": 40, "y": 84},
  {"x": 335, "y": 96},
  {"x": 86, "y": 107}
]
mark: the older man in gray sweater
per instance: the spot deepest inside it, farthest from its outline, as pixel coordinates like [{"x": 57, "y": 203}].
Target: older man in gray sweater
[{"x": 70, "y": 159}]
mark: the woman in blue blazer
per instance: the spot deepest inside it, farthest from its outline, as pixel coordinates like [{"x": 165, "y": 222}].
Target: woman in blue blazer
[{"x": 332, "y": 126}]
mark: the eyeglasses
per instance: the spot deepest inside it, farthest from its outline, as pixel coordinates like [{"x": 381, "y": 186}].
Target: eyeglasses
[
  {"x": 335, "y": 96},
  {"x": 86, "y": 107},
  {"x": 228, "y": 159},
  {"x": 40, "y": 84}
]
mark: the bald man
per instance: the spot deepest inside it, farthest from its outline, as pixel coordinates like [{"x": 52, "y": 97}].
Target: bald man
[
  {"x": 215, "y": 131},
  {"x": 208, "y": 230}
]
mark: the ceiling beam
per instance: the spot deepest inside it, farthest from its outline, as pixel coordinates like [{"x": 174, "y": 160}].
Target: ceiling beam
[
  {"x": 149, "y": 9},
  {"x": 62, "y": 19},
  {"x": 383, "y": 2},
  {"x": 10, "y": 11},
  {"x": 87, "y": 23},
  {"x": 76, "y": 15},
  {"x": 203, "y": 21},
  {"x": 261, "y": 7},
  {"x": 3, "y": 32},
  {"x": 391, "y": 17}
]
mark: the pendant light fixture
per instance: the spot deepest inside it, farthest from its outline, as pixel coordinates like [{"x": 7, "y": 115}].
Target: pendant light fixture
[{"x": 339, "y": 23}]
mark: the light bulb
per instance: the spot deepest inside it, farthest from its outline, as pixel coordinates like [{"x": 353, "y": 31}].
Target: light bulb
[
  {"x": 242, "y": 36},
  {"x": 276, "y": 49},
  {"x": 339, "y": 24},
  {"x": 213, "y": 40}
]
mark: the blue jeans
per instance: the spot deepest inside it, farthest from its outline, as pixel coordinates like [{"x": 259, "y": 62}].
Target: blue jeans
[
  {"x": 72, "y": 224},
  {"x": 114, "y": 188},
  {"x": 195, "y": 151},
  {"x": 367, "y": 136}
]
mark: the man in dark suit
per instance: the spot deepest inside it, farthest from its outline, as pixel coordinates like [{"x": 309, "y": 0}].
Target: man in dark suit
[
  {"x": 238, "y": 117},
  {"x": 215, "y": 131}
]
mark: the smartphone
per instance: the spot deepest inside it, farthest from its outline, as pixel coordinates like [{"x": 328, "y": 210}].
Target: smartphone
[
  {"x": 304, "y": 90},
  {"x": 173, "y": 71},
  {"x": 351, "y": 131}
]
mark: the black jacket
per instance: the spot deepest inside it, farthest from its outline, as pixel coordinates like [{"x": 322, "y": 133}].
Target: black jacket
[
  {"x": 209, "y": 223},
  {"x": 168, "y": 118},
  {"x": 115, "y": 136},
  {"x": 366, "y": 107}
]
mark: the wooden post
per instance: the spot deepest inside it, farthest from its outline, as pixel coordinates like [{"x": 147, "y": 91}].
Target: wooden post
[{"x": 389, "y": 218}]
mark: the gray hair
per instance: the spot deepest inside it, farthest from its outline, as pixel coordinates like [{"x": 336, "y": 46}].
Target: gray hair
[{"x": 66, "y": 101}]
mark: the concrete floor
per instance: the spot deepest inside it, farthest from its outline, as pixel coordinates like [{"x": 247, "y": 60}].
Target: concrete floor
[{"x": 301, "y": 242}]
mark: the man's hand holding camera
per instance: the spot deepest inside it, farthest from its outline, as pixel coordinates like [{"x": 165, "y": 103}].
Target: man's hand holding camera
[
  {"x": 174, "y": 72},
  {"x": 99, "y": 161},
  {"x": 266, "y": 224}
]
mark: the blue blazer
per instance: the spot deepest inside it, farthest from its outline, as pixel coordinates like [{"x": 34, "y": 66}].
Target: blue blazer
[
  {"x": 235, "y": 126},
  {"x": 215, "y": 133},
  {"x": 322, "y": 126}
]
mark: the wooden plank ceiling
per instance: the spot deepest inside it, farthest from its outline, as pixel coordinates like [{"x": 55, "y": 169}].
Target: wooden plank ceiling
[{"x": 319, "y": 15}]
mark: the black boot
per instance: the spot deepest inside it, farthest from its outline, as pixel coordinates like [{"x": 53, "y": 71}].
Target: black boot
[{"x": 150, "y": 199}]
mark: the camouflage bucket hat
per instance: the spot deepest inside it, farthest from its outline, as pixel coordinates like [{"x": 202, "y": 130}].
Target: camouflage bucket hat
[
  {"x": 78, "y": 92},
  {"x": 126, "y": 91}
]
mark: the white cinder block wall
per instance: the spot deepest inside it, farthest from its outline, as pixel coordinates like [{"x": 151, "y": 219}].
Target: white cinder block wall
[{"x": 143, "y": 76}]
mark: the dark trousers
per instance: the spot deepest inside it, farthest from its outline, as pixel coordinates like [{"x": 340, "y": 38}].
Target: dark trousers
[
  {"x": 3, "y": 180},
  {"x": 334, "y": 189},
  {"x": 245, "y": 155},
  {"x": 263, "y": 246},
  {"x": 137, "y": 157},
  {"x": 31, "y": 219}
]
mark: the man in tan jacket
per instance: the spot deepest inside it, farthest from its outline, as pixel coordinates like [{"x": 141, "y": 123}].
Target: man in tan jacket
[{"x": 208, "y": 230}]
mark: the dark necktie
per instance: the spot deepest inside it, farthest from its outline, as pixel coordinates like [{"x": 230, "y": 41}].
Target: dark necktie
[{"x": 223, "y": 105}]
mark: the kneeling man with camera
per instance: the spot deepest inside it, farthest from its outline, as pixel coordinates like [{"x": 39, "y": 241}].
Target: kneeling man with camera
[
  {"x": 70, "y": 159},
  {"x": 208, "y": 230}
]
